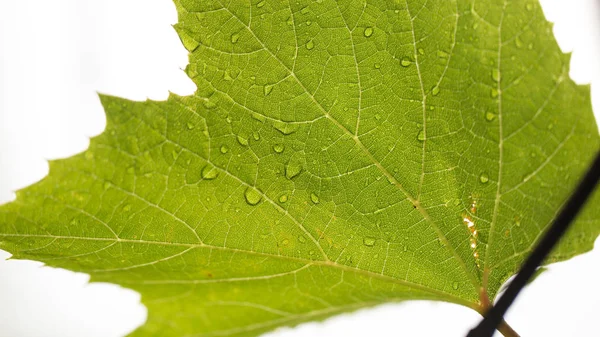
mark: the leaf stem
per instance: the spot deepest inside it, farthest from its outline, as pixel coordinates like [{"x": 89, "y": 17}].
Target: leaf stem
[
  {"x": 493, "y": 317},
  {"x": 506, "y": 330}
]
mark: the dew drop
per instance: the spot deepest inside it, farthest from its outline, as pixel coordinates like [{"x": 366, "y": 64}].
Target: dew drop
[
  {"x": 421, "y": 136},
  {"x": 305, "y": 10},
  {"x": 529, "y": 6},
  {"x": 285, "y": 242},
  {"x": 290, "y": 21},
  {"x": 421, "y": 51},
  {"x": 292, "y": 170},
  {"x": 209, "y": 172},
  {"x": 227, "y": 75},
  {"x": 406, "y": 62},
  {"x": 442, "y": 54},
  {"x": 405, "y": 248},
  {"x": 209, "y": 104},
  {"x": 377, "y": 65},
  {"x": 242, "y": 141},
  {"x": 256, "y": 135},
  {"x": 252, "y": 196},
  {"x": 314, "y": 198},
  {"x": 190, "y": 126},
  {"x": 368, "y": 31},
  {"x": 235, "y": 37},
  {"x": 127, "y": 208},
  {"x": 285, "y": 128},
  {"x": 260, "y": 4},
  {"x": 494, "y": 93},
  {"x": 518, "y": 42},
  {"x": 301, "y": 239},
  {"x": 283, "y": 198},
  {"x": 484, "y": 178},
  {"x": 278, "y": 148},
  {"x": 490, "y": 116},
  {"x": 267, "y": 89},
  {"x": 496, "y": 75},
  {"x": 224, "y": 149},
  {"x": 308, "y": 23},
  {"x": 455, "y": 285},
  {"x": 435, "y": 90},
  {"x": 369, "y": 241},
  {"x": 310, "y": 45}
]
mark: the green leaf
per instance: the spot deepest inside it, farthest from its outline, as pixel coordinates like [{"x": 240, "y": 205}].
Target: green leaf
[{"x": 337, "y": 155}]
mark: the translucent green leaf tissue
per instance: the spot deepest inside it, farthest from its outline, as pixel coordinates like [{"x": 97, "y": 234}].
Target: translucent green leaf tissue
[{"x": 336, "y": 155}]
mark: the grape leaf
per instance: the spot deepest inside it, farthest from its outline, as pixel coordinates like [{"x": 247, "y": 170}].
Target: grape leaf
[{"x": 336, "y": 155}]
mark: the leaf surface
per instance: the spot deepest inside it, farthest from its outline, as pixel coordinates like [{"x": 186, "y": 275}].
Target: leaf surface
[{"x": 337, "y": 155}]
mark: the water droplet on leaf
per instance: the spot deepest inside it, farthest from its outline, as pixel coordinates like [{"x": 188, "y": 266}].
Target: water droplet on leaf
[
  {"x": 310, "y": 45},
  {"x": 252, "y": 196},
  {"x": 494, "y": 93},
  {"x": 209, "y": 104},
  {"x": 484, "y": 178},
  {"x": 224, "y": 149},
  {"x": 209, "y": 172},
  {"x": 421, "y": 136},
  {"x": 292, "y": 169},
  {"x": 369, "y": 241},
  {"x": 368, "y": 31},
  {"x": 278, "y": 148},
  {"x": 518, "y": 42},
  {"x": 267, "y": 89},
  {"x": 496, "y": 75},
  {"x": 242, "y": 141},
  {"x": 235, "y": 37},
  {"x": 442, "y": 54},
  {"x": 314, "y": 198}
]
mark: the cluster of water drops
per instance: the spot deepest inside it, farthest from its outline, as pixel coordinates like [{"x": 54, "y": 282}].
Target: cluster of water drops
[{"x": 468, "y": 221}]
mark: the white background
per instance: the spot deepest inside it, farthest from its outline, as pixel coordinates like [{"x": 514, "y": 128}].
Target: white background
[{"x": 54, "y": 57}]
